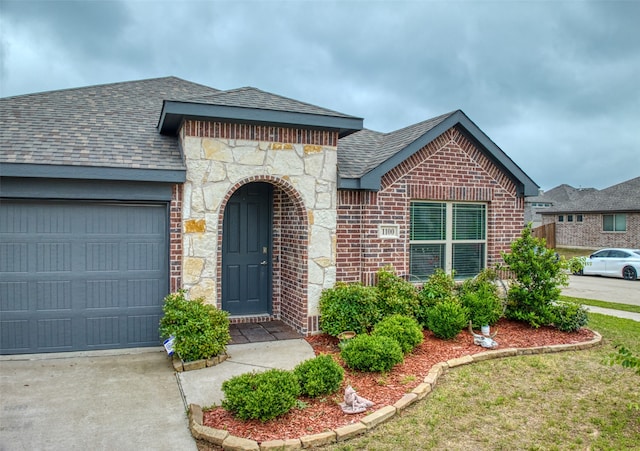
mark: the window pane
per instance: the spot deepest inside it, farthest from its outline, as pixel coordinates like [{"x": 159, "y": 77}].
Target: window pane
[
  {"x": 621, "y": 223},
  {"x": 425, "y": 259},
  {"x": 468, "y": 259},
  {"x": 428, "y": 221},
  {"x": 468, "y": 222},
  {"x": 560, "y": 218},
  {"x": 607, "y": 223}
]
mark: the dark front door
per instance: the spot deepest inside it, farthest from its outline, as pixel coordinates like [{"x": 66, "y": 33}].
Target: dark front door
[{"x": 246, "y": 251}]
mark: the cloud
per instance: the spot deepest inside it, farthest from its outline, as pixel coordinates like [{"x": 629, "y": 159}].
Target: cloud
[{"x": 553, "y": 83}]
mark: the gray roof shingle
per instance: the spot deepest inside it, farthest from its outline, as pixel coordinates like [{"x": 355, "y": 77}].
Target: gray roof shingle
[
  {"x": 112, "y": 125},
  {"x": 365, "y": 150},
  {"x": 621, "y": 197},
  {"x": 249, "y": 97}
]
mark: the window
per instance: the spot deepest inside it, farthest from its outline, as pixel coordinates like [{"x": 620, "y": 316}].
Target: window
[
  {"x": 578, "y": 218},
  {"x": 448, "y": 236},
  {"x": 569, "y": 218},
  {"x": 614, "y": 223},
  {"x": 560, "y": 218}
]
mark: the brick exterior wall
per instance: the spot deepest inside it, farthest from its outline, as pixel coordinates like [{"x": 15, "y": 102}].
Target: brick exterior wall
[
  {"x": 450, "y": 168},
  {"x": 589, "y": 233},
  {"x": 175, "y": 239}
]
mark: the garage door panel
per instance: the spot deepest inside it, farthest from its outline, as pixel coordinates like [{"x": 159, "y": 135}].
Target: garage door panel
[
  {"x": 81, "y": 280},
  {"x": 13, "y": 257},
  {"x": 53, "y": 295},
  {"x": 15, "y": 334},
  {"x": 143, "y": 329},
  {"x": 54, "y": 334}
]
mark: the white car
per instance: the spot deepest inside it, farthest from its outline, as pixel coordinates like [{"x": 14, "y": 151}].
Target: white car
[{"x": 618, "y": 262}]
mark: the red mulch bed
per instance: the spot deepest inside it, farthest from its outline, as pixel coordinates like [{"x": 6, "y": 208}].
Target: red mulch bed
[{"x": 383, "y": 389}]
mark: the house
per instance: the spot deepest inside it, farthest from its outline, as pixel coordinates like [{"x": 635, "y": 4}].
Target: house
[
  {"x": 535, "y": 205},
  {"x": 114, "y": 195},
  {"x": 600, "y": 218}
]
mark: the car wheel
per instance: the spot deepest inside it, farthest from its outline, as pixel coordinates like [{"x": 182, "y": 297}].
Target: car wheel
[
  {"x": 579, "y": 273},
  {"x": 629, "y": 273}
]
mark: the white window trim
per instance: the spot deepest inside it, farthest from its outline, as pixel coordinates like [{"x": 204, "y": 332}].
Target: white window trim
[{"x": 449, "y": 241}]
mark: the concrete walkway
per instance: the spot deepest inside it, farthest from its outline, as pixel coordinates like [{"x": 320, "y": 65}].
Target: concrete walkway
[
  {"x": 204, "y": 387},
  {"x": 612, "y": 312}
]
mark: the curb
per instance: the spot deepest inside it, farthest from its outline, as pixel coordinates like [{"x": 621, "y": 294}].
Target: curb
[{"x": 229, "y": 442}]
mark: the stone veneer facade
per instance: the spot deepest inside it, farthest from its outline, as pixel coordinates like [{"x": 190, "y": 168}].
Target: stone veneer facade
[{"x": 301, "y": 166}]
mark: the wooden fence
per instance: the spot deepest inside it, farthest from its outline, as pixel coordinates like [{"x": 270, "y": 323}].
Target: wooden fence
[{"x": 548, "y": 232}]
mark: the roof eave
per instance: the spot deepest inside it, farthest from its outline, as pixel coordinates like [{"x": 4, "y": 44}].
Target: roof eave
[
  {"x": 525, "y": 185},
  {"x": 174, "y": 112},
  {"x": 92, "y": 172}
]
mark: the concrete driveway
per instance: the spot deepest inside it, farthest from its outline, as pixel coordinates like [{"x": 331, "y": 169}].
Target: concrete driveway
[
  {"x": 102, "y": 400},
  {"x": 604, "y": 289}
]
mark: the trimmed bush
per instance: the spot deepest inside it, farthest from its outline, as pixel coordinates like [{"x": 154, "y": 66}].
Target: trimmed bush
[
  {"x": 200, "y": 330},
  {"x": 480, "y": 297},
  {"x": 396, "y": 295},
  {"x": 261, "y": 396},
  {"x": 569, "y": 316},
  {"x": 319, "y": 376},
  {"x": 348, "y": 307},
  {"x": 403, "y": 329},
  {"x": 371, "y": 353},
  {"x": 446, "y": 319},
  {"x": 539, "y": 274},
  {"x": 439, "y": 287}
]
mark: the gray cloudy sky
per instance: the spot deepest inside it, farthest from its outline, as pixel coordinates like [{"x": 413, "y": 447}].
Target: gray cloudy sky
[{"x": 554, "y": 83}]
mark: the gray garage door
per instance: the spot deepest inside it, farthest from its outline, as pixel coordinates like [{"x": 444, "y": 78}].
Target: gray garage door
[{"x": 81, "y": 276}]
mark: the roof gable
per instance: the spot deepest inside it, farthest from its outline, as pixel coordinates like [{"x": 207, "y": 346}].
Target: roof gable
[{"x": 363, "y": 160}]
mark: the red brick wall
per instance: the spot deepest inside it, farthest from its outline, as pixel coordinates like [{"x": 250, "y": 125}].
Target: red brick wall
[
  {"x": 175, "y": 239},
  {"x": 450, "y": 168},
  {"x": 589, "y": 233}
]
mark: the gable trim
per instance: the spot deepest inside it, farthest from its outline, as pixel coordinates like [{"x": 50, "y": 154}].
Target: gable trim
[{"x": 373, "y": 179}]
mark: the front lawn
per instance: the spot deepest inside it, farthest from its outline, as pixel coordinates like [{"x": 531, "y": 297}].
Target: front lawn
[{"x": 572, "y": 400}]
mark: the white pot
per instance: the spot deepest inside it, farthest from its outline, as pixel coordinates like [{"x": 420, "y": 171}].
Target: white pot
[{"x": 485, "y": 330}]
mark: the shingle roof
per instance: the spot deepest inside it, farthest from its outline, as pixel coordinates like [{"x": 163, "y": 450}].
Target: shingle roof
[
  {"x": 365, "y": 150},
  {"x": 249, "y": 97},
  {"x": 111, "y": 125},
  {"x": 561, "y": 193},
  {"x": 624, "y": 196}
]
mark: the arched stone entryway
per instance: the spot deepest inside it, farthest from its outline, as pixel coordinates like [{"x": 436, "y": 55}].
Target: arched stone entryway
[{"x": 287, "y": 253}]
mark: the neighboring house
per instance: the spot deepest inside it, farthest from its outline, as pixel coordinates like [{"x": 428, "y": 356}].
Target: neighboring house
[
  {"x": 114, "y": 195},
  {"x": 534, "y": 206},
  {"x": 599, "y": 218}
]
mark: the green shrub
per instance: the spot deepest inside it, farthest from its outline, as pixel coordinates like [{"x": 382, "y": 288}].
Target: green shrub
[
  {"x": 261, "y": 396},
  {"x": 480, "y": 297},
  {"x": 439, "y": 287},
  {"x": 403, "y": 329},
  {"x": 200, "y": 330},
  {"x": 395, "y": 294},
  {"x": 319, "y": 376},
  {"x": 539, "y": 274},
  {"x": 371, "y": 353},
  {"x": 569, "y": 316},
  {"x": 348, "y": 307},
  {"x": 446, "y": 319}
]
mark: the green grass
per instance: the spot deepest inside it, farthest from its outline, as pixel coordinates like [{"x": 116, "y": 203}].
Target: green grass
[
  {"x": 604, "y": 304},
  {"x": 569, "y": 252},
  {"x": 564, "y": 401}
]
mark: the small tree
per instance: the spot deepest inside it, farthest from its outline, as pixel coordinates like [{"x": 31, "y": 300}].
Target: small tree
[{"x": 539, "y": 273}]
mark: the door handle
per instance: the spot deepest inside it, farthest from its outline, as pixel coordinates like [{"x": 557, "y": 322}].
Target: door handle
[{"x": 263, "y": 263}]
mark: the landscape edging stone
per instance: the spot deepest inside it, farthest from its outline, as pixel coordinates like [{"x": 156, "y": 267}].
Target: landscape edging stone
[{"x": 384, "y": 413}]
